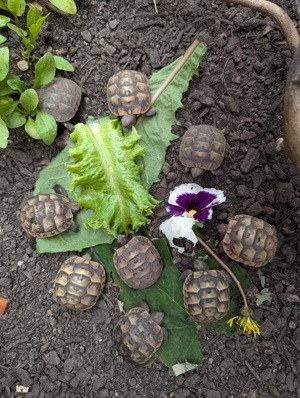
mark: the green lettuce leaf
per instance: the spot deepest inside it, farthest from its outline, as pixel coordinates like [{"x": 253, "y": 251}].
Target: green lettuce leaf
[{"x": 108, "y": 177}]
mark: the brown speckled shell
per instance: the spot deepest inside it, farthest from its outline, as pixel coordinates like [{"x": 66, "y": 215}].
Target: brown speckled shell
[
  {"x": 60, "y": 98},
  {"x": 79, "y": 283},
  {"x": 202, "y": 147},
  {"x": 46, "y": 215},
  {"x": 250, "y": 240},
  {"x": 138, "y": 263},
  {"x": 128, "y": 92},
  {"x": 206, "y": 295},
  {"x": 137, "y": 336}
]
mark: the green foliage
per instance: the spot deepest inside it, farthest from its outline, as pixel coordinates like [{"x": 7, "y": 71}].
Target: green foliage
[
  {"x": 166, "y": 296},
  {"x": 56, "y": 173},
  {"x": 155, "y": 138},
  {"x": 108, "y": 177},
  {"x": 64, "y": 6},
  {"x": 19, "y": 104},
  {"x": 155, "y": 131}
]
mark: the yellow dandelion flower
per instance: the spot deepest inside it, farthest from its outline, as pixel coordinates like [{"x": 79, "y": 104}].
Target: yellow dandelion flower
[{"x": 245, "y": 321}]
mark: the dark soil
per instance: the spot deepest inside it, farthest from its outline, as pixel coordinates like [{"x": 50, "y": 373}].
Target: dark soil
[{"x": 59, "y": 353}]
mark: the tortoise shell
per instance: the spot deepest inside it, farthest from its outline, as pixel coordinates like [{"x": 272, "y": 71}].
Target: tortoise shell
[
  {"x": 138, "y": 263},
  {"x": 46, "y": 215},
  {"x": 250, "y": 240},
  {"x": 202, "y": 147},
  {"x": 206, "y": 295},
  {"x": 79, "y": 283},
  {"x": 128, "y": 93},
  {"x": 137, "y": 336},
  {"x": 60, "y": 98}
]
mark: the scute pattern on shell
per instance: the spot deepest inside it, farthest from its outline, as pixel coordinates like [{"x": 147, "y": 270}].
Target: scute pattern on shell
[
  {"x": 137, "y": 337},
  {"x": 46, "y": 215},
  {"x": 128, "y": 92},
  {"x": 138, "y": 263},
  {"x": 203, "y": 147},
  {"x": 206, "y": 295},
  {"x": 250, "y": 240},
  {"x": 60, "y": 98},
  {"x": 79, "y": 283}
]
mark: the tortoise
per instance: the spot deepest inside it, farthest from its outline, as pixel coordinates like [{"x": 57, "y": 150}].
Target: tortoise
[
  {"x": 49, "y": 214},
  {"x": 206, "y": 295},
  {"x": 138, "y": 335},
  {"x": 79, "y": 283},
  {"x": 202, "y": 147},
  {"x": 138, "y": 263},
  {"x": 128, "y": 95},
  {"x": 60, "y": 98},
  {"x": 250, "y": 240}
]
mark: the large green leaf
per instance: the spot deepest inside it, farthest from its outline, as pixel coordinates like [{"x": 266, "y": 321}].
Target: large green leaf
[
  {"x": 166, "y": 296},
  {"x": 155, "y": 131},
  {"x": 53, "y": 174},
  {"x": 108, "y": 177}
]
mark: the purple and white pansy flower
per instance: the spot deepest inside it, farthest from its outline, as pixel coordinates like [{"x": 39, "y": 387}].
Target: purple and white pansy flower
[{"x": 189, "y": 204}]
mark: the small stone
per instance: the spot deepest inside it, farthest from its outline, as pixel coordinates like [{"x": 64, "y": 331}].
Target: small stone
[
  {"x": 267, "y": 329},
  {"x": 255, "y": 209},
  {"x": 213, "y": 394},
  {"x": 5, "y": 282},
  {"x": 290, "y": 382},
  {"x": 99, "y": 383},
  {"x": 86, "y": 35},
  {"x": 68, "y": 365},
  {"x": 21, "y": 375},
  {"x": 192, "y": 380},
  {"x": 250, "y": 160},
  {"x": 242, "y": 191},
  {"x": 51, "y": 358},
  {"x": 266, "y": 374},
  {"x": 155, "y": 58},
  {"x": 284, "y": 192},
  {"x": 113, "y": 24}
]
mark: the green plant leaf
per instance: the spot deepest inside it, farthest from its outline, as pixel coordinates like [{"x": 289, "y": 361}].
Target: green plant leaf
[
  {"x": 4, "y": 62},
  {"x": 35, "y": 22},
  {"x": 16, "y": 7},
  {"x": 3, "y": 21},
  {"x": 56, "y": 173},
  {"x": 2, "y": 39},
  {"x": 29, "y": 100},
  {"x": 4, "y": 133},
  {"x": 15, "y": 120},
  {"x": 31, "y": 130},
  {"x": 108, "y": 177},
  {"x": 64, "y": 6},
  {"x": 62, "y": 64},
  {"x": 3, "y": 5},
  {"x": 46, "y": 126},
  {"x": 7, "y": 106},
  {"x": 155, "y": 131},
  {"x": 14, "y": 83},
  {"x": 20, "y": 32},
  {"x": 262, "y": 296},
  {"x": 165, "y": 296},
  {"x": 44, "y": 70}
]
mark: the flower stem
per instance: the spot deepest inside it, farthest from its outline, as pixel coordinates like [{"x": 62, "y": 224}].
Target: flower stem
[{"x": 227, "y": 269}]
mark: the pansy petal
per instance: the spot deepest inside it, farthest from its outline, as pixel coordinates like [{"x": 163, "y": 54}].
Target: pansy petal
[
  {"x": 187, "y": 201},
  {"x": 178, "y": 227},
  {"x": 203, "y": 215},
  {"x": 204, "y": 199},
  {"x": 181, "y": 189},
  {"x": 176, "y": 210},
  {"x": 220, "y": 197}
]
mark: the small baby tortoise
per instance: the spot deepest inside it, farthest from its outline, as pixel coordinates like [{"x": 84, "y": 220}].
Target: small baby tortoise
[
  {"x": 49, "y": 214},
  {"x": 250, "y": 240},
  {"x": 202, "y": 147},
  {"x": 138, "y": 263},
  {"x": 138, "y": 335},
  {"x": 128, "y": 95},
  {"x": 60, "y": 98},
  {"x": 206, "y": 295},
  {"x": 79, "y": 283}
]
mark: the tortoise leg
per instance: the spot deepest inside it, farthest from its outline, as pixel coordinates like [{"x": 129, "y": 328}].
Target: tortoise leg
[
  {"x": 128, "y": 121},
  {"x": 151, "y": 112},
  {"x": 59, "y": 189},
  {"x": 73, "y": 227}
]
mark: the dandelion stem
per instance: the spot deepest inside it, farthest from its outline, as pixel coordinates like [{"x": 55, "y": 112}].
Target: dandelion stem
[{"x": 227, "y": 269}]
